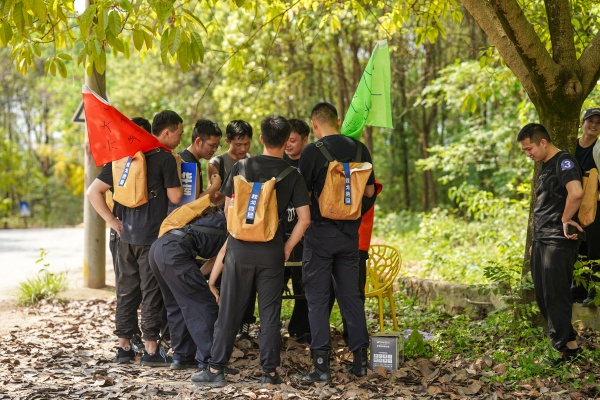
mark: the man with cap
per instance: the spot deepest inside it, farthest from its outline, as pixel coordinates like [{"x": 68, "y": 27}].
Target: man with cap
[{"x": 587, "y": 154}]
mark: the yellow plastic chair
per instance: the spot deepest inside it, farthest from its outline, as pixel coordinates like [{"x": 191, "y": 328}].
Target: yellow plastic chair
[{"x": 383, "y": 267}]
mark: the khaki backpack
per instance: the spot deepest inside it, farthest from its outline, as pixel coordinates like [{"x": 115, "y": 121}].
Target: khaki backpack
[
  {"x": 589, "y": 203},
  {"x": 180, "y": 216},
  {"x": 130, "y": 179},
  {"x": 345, "y": 183},
  {"x": 252, "y": 214}
]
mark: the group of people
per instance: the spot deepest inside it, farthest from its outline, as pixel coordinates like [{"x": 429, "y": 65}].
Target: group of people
[
  {"x": 207, "y": 304},
  {"x": 557, "y": 238}
]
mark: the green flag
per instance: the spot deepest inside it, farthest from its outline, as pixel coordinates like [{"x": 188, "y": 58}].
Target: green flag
[{"x": 371, "y": 103}]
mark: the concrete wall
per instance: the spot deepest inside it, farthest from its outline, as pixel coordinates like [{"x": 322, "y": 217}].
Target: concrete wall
[{"x": 459, "y": 298}]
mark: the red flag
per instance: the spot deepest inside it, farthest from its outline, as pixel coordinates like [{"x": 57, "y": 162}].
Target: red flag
[{"x": 112, "y": 135}]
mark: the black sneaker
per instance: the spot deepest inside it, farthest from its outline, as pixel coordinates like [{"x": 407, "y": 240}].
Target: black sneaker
[
  {"x": 124, "y": 356},
  {"x": 568, "y": 356},
  {"x": 158, "y": 359},
  {"x": 272, "y": 380},
  {"x": 207, "y": 378},
  {"x": 137, "y": 343},
  {"x": 184, "y": 364}
]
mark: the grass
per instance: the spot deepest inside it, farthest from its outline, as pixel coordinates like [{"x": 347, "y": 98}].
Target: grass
[{"x": 43, "y": 285}]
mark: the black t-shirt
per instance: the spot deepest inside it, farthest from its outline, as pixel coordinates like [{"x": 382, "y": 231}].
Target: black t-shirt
[
  {"x": 187, "y": 156},
  {"x": 289, "y": 189},
  {"x": 207, "y": 245},
  {"x": 585, "y": 156},
  {"x": 313, "y": 167},
  {"x": 141, "y": 224},
  {"x": 552, "y": 196}
]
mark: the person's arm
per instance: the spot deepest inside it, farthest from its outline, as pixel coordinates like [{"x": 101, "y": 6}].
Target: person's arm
[
  {"x": 175, "y": 194},
  {"x": 208, "y": 266},
  {"x": 216, "y": 272},
  {"x": 369, "y": 190},
  {"x": 95, "y": 195},
  {"x": 574, "y": 197},
  {"x": 216, "y": 197},
  {"x": 303, "y": 214},
  {"x": 213, "y": 187}
]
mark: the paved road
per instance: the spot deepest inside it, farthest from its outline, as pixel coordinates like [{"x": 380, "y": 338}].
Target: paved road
[{"x": 20, "y": 248}]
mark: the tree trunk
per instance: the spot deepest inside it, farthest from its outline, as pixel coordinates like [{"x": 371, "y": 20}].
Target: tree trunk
[{"x": 94, "y": 227}]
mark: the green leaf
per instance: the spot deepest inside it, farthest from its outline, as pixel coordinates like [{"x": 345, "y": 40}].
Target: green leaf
[
  {"x": 114, "y": 42},
  {"x": 35, "y": 49},
  {"x": 196, "y": 42},
  {"x": 239, "y": 3},
  {"x": 149, "y": 40},
  {"x": 18, "y": 17},
  {"x": 64, "y": 56},
  {"x": 53, "y": 67},
  {"x": 40, "y": 10},
  {"x": 114, "y": 23},
  {"x": 138, "y": 38},
  {"x": 62, "y": 68},
  {"x": 81, "y": 58},
  {"x": 6, "y": 33},
  {"x": 183, "y": 56},
  {"x": 164, "y": 46},
  {"x": 101, "y": 63},
  {"x": 47, "y": 66},
  {"x": 126, "y": 48},
  {"x": 85, "y": 20},
  {"x": 194, "y": 18},
  {"x": 126, "y": 6},
  {"x": 174, "y": 40}
]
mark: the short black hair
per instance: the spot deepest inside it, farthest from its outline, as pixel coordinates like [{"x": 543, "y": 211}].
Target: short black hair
[
  {"x": 205, "y": 129},
  {"x": 165, "y": 119},
  {"x": 535, "y": 133},
  {"x": 142, "y": 122},
  {"x": 275, "y": 131},
  {"x": 238, "y": 129},
  {"x": 325, "y": 113},
  {"x": 300, "y": 127}
]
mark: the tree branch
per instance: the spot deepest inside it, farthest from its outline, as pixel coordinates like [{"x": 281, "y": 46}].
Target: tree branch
[
  {"x": 484, "y": 14},
  {"x": 561, "y": 33},
  {"x": 589, "y": 64},
  {"x": 531, "y": 50}
]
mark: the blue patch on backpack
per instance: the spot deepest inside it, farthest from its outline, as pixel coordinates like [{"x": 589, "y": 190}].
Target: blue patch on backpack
[{"x": 566, "y": 165}]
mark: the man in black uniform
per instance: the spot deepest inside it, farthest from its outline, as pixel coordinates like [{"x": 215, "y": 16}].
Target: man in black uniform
[
  {"x": 299, "y": 326},
  {"x": 331, "y": 250},
  {"x": 554, "y": 248},
  {"x": 584, "y": 154},
  {"x": 114, "y": 241},
  {"x": 191, "y": 307},
  {"x": 260, "y": 263},
  {"x": 138, "y": 229},
  {"x": 206, "y": 138}
]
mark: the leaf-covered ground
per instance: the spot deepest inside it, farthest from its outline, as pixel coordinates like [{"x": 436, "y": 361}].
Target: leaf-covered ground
[{"x": 66, "y": 353}]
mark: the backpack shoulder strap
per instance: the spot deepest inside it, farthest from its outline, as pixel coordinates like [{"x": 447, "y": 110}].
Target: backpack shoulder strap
[
  {"x": 358, "y": 156},
  {"x": 207, "y": 229},
  {"x": 286, "y": 171},
  {"x": 324, "y": 151}
]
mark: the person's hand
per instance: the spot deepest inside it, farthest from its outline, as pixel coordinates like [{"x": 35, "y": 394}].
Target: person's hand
[
  {"x": 116, "y": 224},
  {"x": 214, "y": 291},
  {"x": 572, "y": 236},
  {"x": 287, "y": 251}
]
